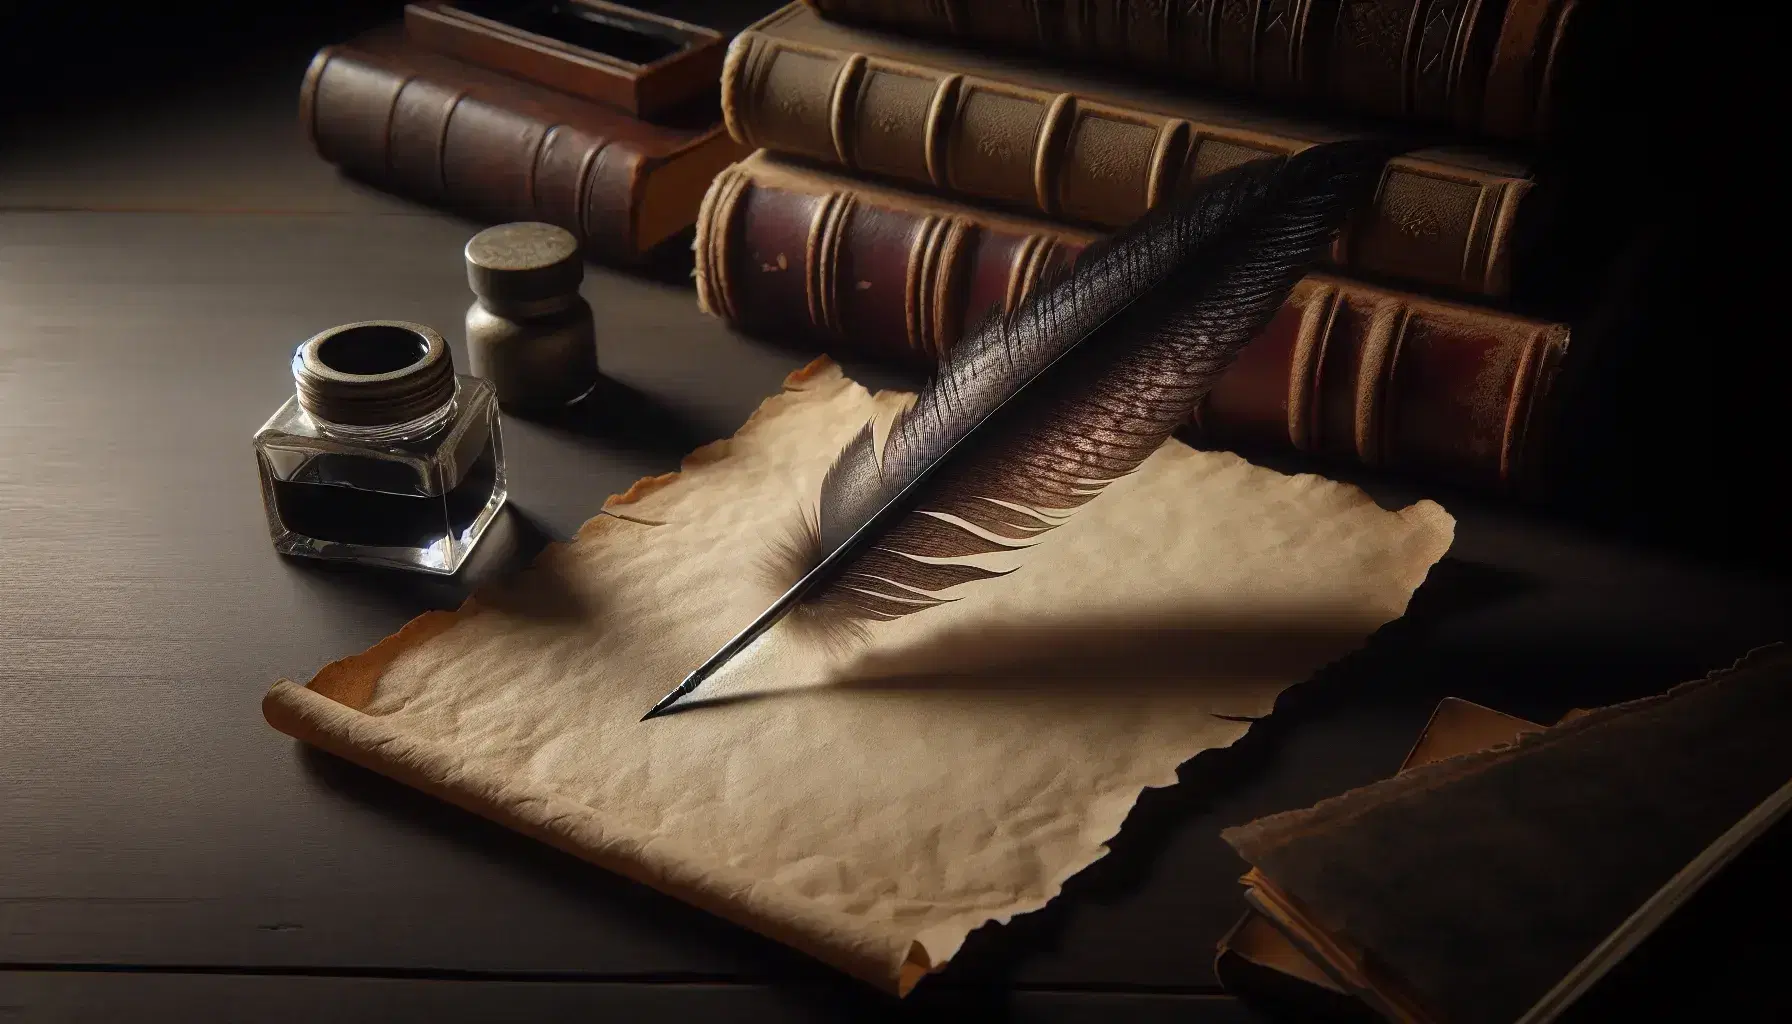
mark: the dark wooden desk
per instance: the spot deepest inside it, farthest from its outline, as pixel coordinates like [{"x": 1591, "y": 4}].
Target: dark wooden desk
[{"x": 164, "y": 854}]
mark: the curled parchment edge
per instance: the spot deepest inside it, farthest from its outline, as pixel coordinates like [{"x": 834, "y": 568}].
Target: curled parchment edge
[
  {"x": 373, "y": 743},
  {"x": 308, "y": 715},
  {"x": 325, "y": 713}
]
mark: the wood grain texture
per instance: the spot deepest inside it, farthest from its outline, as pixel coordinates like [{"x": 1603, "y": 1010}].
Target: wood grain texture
[
  {"x": 149, "y": 817},
  {"x": 42, "y": 997},
  {"x": 163, "y": 151}
]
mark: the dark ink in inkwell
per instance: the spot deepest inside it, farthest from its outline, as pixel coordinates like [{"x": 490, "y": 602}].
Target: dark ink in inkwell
[
  {"x": 383, "y": 455},
  {"x": 373, "y": 519}
]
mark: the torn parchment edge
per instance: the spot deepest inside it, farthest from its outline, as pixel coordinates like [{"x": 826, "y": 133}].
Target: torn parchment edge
[{"x": 325, "y": 713}]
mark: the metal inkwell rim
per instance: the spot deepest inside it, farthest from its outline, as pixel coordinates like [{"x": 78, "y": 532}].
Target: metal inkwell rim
[{"x": 376, "y": 379}]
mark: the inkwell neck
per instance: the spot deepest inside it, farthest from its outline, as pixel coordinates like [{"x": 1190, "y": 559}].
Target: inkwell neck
[{"x": 378, "y": 380}]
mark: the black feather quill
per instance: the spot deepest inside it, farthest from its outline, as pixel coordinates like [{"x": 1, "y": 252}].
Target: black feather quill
[{"x": 1034, "y": 413}]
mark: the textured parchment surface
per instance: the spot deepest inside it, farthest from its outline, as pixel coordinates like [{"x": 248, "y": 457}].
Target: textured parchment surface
[{"x": 869, "y": 806}]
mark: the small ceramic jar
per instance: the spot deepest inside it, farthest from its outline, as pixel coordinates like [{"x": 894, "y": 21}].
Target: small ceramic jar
[{"x": 528, "y": 331}]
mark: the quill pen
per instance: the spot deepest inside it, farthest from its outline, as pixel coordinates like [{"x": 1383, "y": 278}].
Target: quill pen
[{"x": 1036, "y": 411}]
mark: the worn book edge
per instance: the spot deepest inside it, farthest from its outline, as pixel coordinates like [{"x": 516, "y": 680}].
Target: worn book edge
[
  {"x": 1656, "y": 910},
  {"x": 1270, "y": 935},
  {"x": 1352, "y": 969}
]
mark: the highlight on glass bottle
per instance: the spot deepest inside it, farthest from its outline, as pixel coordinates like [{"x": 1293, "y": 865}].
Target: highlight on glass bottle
[{"x": 383, "y": 454}]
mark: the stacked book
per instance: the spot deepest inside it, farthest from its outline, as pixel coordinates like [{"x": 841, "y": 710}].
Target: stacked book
[
  {"x": 920, "y": 161},
  {"x": 596, "y": 117}
]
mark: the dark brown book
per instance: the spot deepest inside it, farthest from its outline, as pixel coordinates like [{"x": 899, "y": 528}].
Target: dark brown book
[
  {"x": 1087, "y": 150},
  {"x": 1483, "y": 66},
  {"x": 1258, "y": 962},
  {"x": 1529, "y": 62},
  {"x": 1346, "y": 369},
  {"x": 1503, "y": 885},
  {"x": 447, "y": 133}
]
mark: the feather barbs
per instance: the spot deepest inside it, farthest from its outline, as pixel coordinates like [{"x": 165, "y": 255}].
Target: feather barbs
[{"x": 1039, "y": 410}]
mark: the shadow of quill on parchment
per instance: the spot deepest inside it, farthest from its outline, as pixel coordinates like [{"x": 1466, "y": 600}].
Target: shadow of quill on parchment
[
  {"x": 1169, "y": 850},
  {"x": 990, "y": 974},
  {"x": 1110, "y": 657},
  {"x": 1170, "y": 841},
  {"x": 1081, "y": 658},
  {"x": 1166, "y": 647},
  {"x": 1082, "y": 653}
]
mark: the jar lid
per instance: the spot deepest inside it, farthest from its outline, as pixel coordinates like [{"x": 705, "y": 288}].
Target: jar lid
[
  {"x": 374, "y": 373},
  {"x": 523, "y": 263}
]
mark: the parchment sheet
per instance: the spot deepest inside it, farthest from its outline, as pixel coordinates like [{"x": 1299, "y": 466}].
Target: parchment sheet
[{"x": 869, "y": 806}]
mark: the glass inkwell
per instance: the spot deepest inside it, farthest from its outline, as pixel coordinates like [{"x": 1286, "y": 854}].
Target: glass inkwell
[{"x": 383, "y": 455}]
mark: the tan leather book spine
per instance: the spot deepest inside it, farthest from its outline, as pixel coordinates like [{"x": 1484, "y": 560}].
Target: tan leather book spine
[
  {"x": 453, "y": 135},
  {"x": 1346, "y": 370},
  {"x": 794, "y": 84},
  {"x": 1419, "y": 60}
]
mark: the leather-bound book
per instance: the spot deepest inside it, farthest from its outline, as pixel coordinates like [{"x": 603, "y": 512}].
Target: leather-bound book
[
  {"x": 1088, "y": 150},
  {"x": 450, "y": 134},
  {"x": 1505, "y": 885},
  {"x": 1346, "y": 370},
  {"x": 1482, "y": 66},
  {"x": 1258, "y": 962}
]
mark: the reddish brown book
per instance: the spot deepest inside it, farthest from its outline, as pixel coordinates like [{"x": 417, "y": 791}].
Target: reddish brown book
[
  {"x": 1091, "y": 150},
  {"x": 1348, "y": 370},
  {"x": 1481, "y": 65},
  {"x": 447, "y": 133}
]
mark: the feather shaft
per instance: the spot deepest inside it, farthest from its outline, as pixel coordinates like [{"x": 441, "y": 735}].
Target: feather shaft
[{"x": 1036, "y": 412}]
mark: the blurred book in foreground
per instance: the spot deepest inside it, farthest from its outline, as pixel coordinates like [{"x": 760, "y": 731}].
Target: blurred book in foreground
[{"x": 1509, "y": 868}]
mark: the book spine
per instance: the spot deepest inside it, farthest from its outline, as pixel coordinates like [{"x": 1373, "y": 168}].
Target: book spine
[
  {"x": 1083, "y": 161},
  {"x": 1396, "y": 381},
  {"x": 1273, "y": 47},
  {"x": 1419, "y": 60},
  {"x": 844, "y": 273},
  {"x": 440, "y": 142},
  {"x": 1344, "y": 370},
  {"x": 1526, "y": 61}
]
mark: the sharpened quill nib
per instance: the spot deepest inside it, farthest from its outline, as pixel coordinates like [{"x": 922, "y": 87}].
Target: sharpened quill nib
[
  {"x": 665, "y": 704},
  {"x": 741, "y": 642}
]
